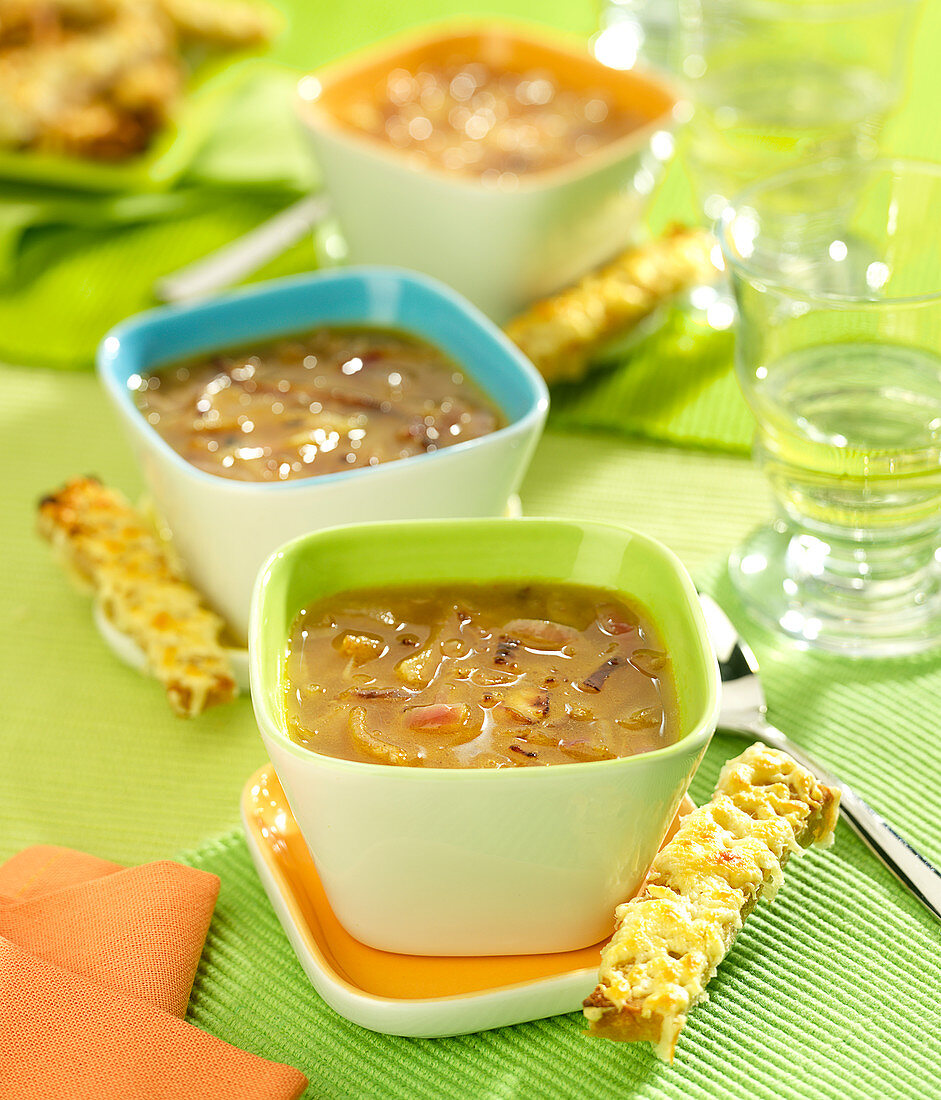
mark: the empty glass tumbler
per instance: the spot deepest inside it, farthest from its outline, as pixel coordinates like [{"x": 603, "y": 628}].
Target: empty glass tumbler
[
  {"x": 776, "y": 83},
  {"x": 837, "y": 277}
]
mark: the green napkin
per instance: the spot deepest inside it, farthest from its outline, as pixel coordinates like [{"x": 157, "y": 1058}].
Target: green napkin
[
  {"x": 23, "y": 208},
  {"x": 829, "y": 991},
  {"x": 207, "y": 91}
]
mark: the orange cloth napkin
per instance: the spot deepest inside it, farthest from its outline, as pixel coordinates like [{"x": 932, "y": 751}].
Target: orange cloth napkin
[{"x": 96, "y": 966}]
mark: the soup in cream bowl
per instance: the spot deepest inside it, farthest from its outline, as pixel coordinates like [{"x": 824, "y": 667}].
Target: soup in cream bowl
[
  {"x": 363, "y": 394},
  {"x": 483, "y": 728},
  {"x": 502, "y": 158}
]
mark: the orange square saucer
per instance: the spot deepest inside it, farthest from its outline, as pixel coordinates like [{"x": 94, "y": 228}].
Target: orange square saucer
[{"x": 415, "y": 995}]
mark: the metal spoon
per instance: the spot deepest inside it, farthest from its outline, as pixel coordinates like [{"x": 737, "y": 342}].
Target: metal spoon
[{"x": 743, "y": 712}]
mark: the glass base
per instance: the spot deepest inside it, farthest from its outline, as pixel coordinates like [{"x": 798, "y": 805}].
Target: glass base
[{"x": 782, "y": 579}]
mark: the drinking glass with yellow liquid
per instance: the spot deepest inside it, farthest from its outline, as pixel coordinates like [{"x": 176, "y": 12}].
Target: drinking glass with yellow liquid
[
  {"x": 776, "y": 83},
  {"x": 837, "y": 278}
]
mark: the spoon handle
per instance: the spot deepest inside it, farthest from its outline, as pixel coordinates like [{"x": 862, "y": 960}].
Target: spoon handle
[{"x": 909, "y": 866}]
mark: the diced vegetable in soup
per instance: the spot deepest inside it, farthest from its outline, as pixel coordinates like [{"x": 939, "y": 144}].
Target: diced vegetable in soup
[
  {"x": 465, "y": 676},
  {"x": 333, "y": 400}
]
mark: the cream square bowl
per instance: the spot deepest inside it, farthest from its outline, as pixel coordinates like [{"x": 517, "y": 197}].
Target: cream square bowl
[
  {"x": 502, "y": 249},
  {"x": 224, "y": 529},
  {"x": 433, "y": 861}
]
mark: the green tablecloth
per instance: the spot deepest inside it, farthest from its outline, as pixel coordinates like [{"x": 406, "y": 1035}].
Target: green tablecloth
[{"x": 832, "y": 991}]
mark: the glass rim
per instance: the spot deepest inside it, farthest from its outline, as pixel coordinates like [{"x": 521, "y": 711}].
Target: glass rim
[{"x": 807, "y": 172}]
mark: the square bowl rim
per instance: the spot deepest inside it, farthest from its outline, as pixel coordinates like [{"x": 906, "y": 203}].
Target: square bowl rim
[
  {"x": 699, "y": 735},
  {"x": 314, "y": 116},
  {"x": 111, "y": 363}
]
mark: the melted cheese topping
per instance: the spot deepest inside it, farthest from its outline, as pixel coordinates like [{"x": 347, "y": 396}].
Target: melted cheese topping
[
  {"x": 107, "y": 545},
  {"x": 672, "y": 937}
]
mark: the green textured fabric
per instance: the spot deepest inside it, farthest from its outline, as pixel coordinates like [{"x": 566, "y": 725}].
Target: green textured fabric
[
  {"x": 73, "y": 264},
  {"x": 89, "y": 754}
]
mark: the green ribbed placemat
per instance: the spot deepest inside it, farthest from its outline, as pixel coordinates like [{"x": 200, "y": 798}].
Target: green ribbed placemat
[{"x": 831, "y": 991}]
